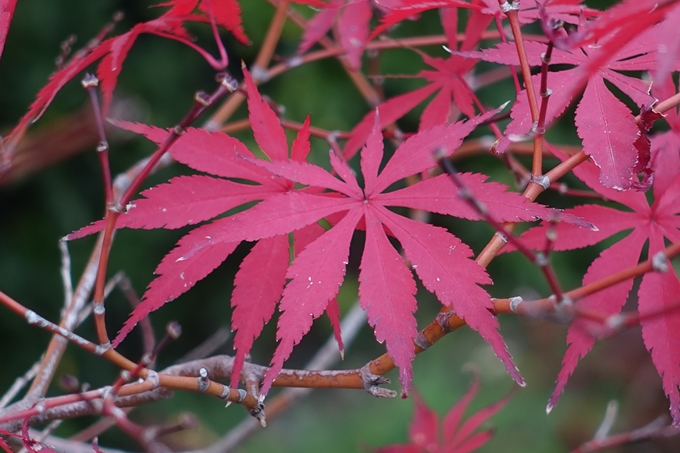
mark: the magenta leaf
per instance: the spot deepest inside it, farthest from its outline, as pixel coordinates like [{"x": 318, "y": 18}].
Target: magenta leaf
[
  {"x": 254, "y": 304},
  {"x": 609, "y": 132},
  {"x": 316, "y": 276},
  {"x": 353, "y": 27},
  {"x": 659, "y": 291},
  {"x": 384, "y": 277},
  {"x": 6, "y": 13},
  {"x": 426, "y": 435}
]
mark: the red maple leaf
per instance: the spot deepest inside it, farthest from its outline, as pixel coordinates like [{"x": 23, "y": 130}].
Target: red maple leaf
[
  {"x": 400, "y": 10},
  {"x": 604, "y": 123},
  {"x": 658, "y": 292},
  {"x": 386, "y": 286},
  {"x": 665, "y": 157},
  {"x": 567, "y": 10},
  {"x": 626, "y": 20},
  {"x": 353, "y": 18},
  {"x": 570, "y": 11},
  {"x": 187, "y": 200},
  {"x": 6, "y": 13},
  {"x": 227, "y": 13},
  {"x": 448, "y": 78},
  {"x": 113, "y": 52},
  {"x": 427, "y": 436}
]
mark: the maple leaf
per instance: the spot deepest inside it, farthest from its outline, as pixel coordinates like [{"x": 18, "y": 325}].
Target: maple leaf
[
  {"x": 664, "y": 146},
  {"x": 353, "y": 19},
  {"x": 427, "y": 436},
  {"x": 658, "y": 291},
  {"x": 669, "y": 48},
  {"x": 400, "y": 10},
  {"x": 113, "y": 52},
  {"x": 227, "y": 13},
  {"x": 567, "y": 10},
  {"x": 386, "y": 286},
  {"x": 604, "y": 123},
  {"x": 447, "y": 79},
  {"x": 625, "y": 20},
  {"x": 187, "y": 200},
  {"x": 570, "y": 11},
  {"x": 6, "y": 13}
]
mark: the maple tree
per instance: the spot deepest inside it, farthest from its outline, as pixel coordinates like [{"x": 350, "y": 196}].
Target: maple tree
[{"x": 377, "y": 203}]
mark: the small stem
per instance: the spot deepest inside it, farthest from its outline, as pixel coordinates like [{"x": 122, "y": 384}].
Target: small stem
[
  {"x": 665, "y": 105},
  {"x": 545, "y": 91},
  {"x": 90, "y": 83},
  {"x": 655, "y": 429},
  {"x": 35, "y": 319},
  {"x": 512, "y": 14}
]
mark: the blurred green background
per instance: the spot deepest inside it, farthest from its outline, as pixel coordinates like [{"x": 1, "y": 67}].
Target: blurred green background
[{"x": 156, "y": 87}]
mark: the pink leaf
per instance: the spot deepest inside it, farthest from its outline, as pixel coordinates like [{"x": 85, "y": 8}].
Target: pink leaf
[
  {"x": 443, "y": 264},
  {"x": 301, "y": 145},
  {"x": 390, "y": 111},
  {"x": 318, "y": 27},
  {"x": 208, "y": 151},
  {"x": 227, "y": 13},
  {"x": 179, "y": 271},
  {"x": 440, "y": 195},
  {"x": 474, "y": 442},
  {"x": 424, "y": 435},
  {"x": 455, "y": 415},
  {"x": 581, "y": 336},
  {"x": 278, "y": 214},
  {"x": 303, "y": 238},
  {"x": 316, "y": 274},
  {"x": 371, "y": 156},
  {"x": 608, "y": 131},
  {"x": 465, "y": 439},
  {"x": 417, "y": 154},
  {"x": 311, "y": 175},
  {"x": 608, "y": 221},
  {"x": 424, "y": 429},
  {"x": 436, "y": 112},
  {"x": 665, "y": 160},
  {"x": 187, "y": 200},
  {"x": 520, "y": 126},
  {"x": 659, "y": 291},
  {"x": 386, "y": 292},
  {"x": 55, "y": 83},
  {"x": 353, "y": 26},
  {"x": 342, "y": 168},
  {"x": 6, "y": 13},
  {"x": 265, "y": 124},
  {"x": 254, "y": 304},
  {"x": 408, "y": 8},
  {"x": 333, "y": 313}
]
